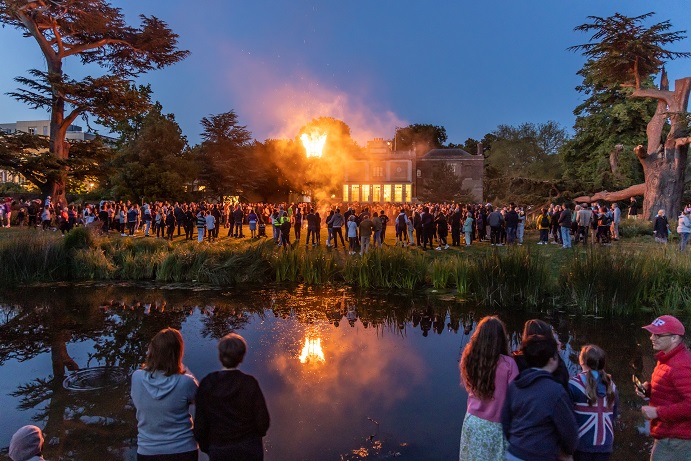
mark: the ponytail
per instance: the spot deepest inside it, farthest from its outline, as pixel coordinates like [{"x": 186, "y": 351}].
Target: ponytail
[{"x": 590, "y": 388}]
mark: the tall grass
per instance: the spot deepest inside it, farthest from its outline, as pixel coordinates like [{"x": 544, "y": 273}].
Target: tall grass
[{"x": 619, "y": 280}]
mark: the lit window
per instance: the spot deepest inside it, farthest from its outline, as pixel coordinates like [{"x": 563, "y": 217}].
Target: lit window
[
  {"x": 345, "y": 193},
  {"x": 376, "y": 193},
  {"x": 398, "y": 193},
  {"x": 387, "y": 193},
  {"x": 355, "y": 192},
  {"x": 364, "y": 190}
]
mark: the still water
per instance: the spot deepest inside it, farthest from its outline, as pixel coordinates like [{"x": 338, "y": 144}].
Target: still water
[{"x": 346, "y": 375}]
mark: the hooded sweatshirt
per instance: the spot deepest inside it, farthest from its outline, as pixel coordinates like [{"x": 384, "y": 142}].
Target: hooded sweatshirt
[
  {"x": 26, "y": 444},
  {"x": 163, "y": 419},
  {"x": 538, "y": 418}
]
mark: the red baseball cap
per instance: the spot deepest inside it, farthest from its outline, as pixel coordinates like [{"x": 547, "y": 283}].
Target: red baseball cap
[{"x": 666, "y": 324}]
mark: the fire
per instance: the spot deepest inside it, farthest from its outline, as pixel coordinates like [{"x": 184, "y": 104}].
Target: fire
[
  {"x": 312, "y": 351},
  {"x": 314, "y": 143}
]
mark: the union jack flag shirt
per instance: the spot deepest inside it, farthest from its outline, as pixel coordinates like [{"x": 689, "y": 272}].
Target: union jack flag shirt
[{"x": 595, "y": 422}]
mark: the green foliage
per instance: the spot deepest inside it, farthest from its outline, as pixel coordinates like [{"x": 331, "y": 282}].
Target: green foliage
[
  {"x": 441, "y": 184},
  {"x": 420, "y": 137},
  {"x": 522, "y": 164},
  {"x": 226, "y": 156},
  {"x": 623, "y": 50},
  {"x": 79, "y": 238},
  {"x": 32, "y": 257},
  {"x": 154, "y": 165},
  {"x": 635, "y": 228}
]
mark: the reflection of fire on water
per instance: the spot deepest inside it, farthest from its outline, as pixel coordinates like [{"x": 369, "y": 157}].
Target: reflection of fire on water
[
  {"x": 314, "y": 143},
  {"x": 312, "y": 351}
]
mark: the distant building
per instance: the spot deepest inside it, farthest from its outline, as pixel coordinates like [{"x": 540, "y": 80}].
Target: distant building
[
  {"x": 41, "y": 128},
  {"x": 382, "y": 175},
  {"x": 468, "y": 167}
]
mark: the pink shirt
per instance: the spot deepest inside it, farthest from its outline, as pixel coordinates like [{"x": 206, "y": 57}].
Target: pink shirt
[{"x": 490, "y": 410}]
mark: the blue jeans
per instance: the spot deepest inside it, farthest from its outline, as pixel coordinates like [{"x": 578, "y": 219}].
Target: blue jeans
[
  {"x": 510, "y": 234},
  {"x": 684, "y": 239},
  {"x": 566, "y": 237},
  {"x": 670, "y": 450}
]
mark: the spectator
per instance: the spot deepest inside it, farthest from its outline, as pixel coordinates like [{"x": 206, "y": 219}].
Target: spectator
[
  {"x": 669, "y": 410},
  {"x": 162, "y": 392},
  {"x": 27, "y": 444},
  {"x": 231, "y": 416}
]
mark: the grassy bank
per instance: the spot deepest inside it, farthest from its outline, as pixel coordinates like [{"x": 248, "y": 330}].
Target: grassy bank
[{"x": 635, "y": 275}]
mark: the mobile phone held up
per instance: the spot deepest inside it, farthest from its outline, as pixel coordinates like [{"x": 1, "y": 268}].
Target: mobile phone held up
[{"x": 639, "y": 385}]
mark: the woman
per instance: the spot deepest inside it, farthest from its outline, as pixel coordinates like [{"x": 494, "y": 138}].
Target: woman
[
  {"x": 486, "y": 372},
  {"x": 684, "y": 228},
  {"x": 593, "y": 392},
  {"x": 540, "y": 327},
  {"x": 352, "y": 234},
  {"x": 661, "y": 227},
  {"x": 253, "y": 218},
  {"x": 26, "y": 444},
  {"x": 162, "y": 392},
  {"x": 231, "y": 416},
  {"x": 468, "y": 228}
]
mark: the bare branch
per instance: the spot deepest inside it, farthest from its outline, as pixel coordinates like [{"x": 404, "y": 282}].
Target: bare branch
[{"x": 682, "y": 142}]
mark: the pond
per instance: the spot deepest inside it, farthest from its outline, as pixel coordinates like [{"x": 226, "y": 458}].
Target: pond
[{"x": 346, "y": 375}]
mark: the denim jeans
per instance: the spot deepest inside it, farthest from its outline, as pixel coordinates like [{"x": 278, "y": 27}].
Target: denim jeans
[
  {"x": 566, "y": 237},
  {"x": 671, "y": 450},
  {"x": 683, "y": 240},
  {"x": 510, "y": 234}
]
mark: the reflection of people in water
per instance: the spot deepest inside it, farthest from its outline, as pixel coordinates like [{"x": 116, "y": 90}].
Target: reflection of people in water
[
  {"x": 27, "y": 444},
  {"x": 231, "y": 416},
  {"x": 162, "y": 392},
  {"x": 540, "y": 327}
]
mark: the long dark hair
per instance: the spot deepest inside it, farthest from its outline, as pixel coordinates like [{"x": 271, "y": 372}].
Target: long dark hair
[
  {"x": 165, "y": 353},
  {"x": 481, "y": 355}
]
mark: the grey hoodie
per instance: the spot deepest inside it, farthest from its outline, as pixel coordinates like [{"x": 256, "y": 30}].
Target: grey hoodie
[{"x": 163, "y": 412}]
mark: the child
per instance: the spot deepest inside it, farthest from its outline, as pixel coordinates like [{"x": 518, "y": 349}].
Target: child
[{"x": 595, "y": 400}]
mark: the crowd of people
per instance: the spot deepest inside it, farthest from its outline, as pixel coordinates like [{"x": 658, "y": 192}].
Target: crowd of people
[
  {"x": 357, "y": 227},
  {"x": 523, "y": 405}
]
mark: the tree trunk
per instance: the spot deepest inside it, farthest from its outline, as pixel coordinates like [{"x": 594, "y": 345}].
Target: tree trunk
[
  {"x": 638, "y": 189},
  {"x": 56, "y": 184},
  {"x": 664, "y": 163}
]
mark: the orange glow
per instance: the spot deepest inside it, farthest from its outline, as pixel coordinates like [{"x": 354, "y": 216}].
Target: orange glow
[
  {"x": 312, "y": 351},
  {"x": 314, "y": 143}
]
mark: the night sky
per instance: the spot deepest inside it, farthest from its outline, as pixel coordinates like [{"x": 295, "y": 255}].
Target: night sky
[{"x": 378, "y": 64}]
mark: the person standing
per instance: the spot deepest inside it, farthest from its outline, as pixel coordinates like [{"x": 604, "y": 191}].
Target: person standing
[
  {"x": 162, "y": 392},
  {"x": 669, "y": 390},
  {"x": 565, "y": 226},
  {"x": 468, "y": 228},
  {"x": 486, "y": 372},
  {"x": 201, "y": 225},
  {"x": 595, "y": 403},
  {"x": 537, "y": 417},
  {"x": 661, "y": 227},
  {"x": 544, "y": 221},
  {"x": 366, "y": 229},
  {"x": 616, "y": 219},
  {"x": 633, "y": 208},
  {"x": 231, "y": 415},
  {"x": 683, "y": 229}
]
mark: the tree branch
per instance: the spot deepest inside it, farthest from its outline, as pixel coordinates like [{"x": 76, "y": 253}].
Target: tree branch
[
  {"x": 664, "y": 95},
  {"x": 32, "y": 27},
  {"x": 95, "y": 45},
  {"x": 682, "y": 142},
  {"x": 638, "y": 189}
]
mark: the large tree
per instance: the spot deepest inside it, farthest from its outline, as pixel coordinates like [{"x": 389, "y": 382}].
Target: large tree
[
  {"x": 420, "y": 137},
  {"x": 624, "y": 50},
  {"x": 226, "y": 156},
  {"x": 156, "y": 164},
  {"x": 94, "y": 32}
]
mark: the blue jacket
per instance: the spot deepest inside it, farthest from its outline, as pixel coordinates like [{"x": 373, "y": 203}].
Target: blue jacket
[{"x": 537, "y": 417}]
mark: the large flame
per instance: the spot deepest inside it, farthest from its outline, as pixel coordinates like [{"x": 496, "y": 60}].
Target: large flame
[
  {"x": 314, "y": 143},
  {"x": 312, "y": 351}
]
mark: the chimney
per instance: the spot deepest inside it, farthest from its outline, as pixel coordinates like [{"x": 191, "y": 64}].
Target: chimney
[{"x": 479, "y": 148}]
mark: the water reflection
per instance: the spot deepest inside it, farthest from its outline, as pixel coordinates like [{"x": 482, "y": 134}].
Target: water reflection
[{"x": 346, "y": 376}]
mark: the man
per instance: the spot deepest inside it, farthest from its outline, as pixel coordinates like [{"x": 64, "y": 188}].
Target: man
[
  {"x": 669, "y": 409},
  {"x": 511, "y": 219},
  {"x": 565, "y": 226},
  {"x": 584, "y": 218},
  {"x": 337, "y": 223},
  {"x": 366, "y": 229},
  {"x": 495, "y": 220},
  {"x": 616, "y": 219},
  {"x": 537, "y": 417}
]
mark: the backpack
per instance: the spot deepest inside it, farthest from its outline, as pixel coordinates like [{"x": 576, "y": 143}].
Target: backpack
[
  {"x": 544, "y": 222},
  {"x": 401, "y": 221}
]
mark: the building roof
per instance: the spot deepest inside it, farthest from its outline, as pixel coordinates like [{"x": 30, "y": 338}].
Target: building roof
[{"x": 446, "y": 154}]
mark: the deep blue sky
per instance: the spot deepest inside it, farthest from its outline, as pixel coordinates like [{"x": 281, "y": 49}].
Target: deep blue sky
[{"x": 376, "y": 64}]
